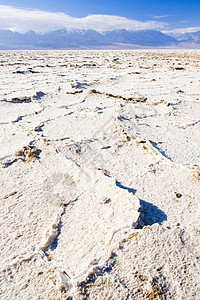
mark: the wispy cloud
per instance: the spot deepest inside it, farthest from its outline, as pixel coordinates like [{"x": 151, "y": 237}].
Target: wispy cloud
[
  {"x": 159, "y": 17},
  {"x": 23, "y": 20},
  {"x": 182, "y": 30},
  {"x": 185, "y": 21}
]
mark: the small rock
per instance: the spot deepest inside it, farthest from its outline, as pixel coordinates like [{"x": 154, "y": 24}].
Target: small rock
[
  {"x": 177, "y": 196},
  {"x": 21, "y": 100}
]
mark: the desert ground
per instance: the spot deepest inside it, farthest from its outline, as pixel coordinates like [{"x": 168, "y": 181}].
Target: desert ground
[{"x": 100, "y": 174}]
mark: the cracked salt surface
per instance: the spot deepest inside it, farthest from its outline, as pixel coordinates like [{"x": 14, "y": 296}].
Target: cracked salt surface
[{"x": 99, "y": 197}]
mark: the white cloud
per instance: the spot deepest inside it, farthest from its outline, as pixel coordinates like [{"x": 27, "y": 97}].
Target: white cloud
[
  {"x": 23, "y": 20},
  {"x": 181, "y": 30}
]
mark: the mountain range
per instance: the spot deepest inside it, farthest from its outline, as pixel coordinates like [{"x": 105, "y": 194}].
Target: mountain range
[{"x": 91, "y": 39}]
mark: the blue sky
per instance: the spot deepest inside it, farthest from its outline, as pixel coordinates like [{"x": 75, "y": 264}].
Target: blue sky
[{"x": 169, "y": 14}]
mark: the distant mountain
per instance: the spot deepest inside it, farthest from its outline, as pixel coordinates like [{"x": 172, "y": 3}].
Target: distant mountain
[
  {"x": 189, "y": 37},
  {"x": 83, "y": 39},
  {"x": 141, "y": 37}
]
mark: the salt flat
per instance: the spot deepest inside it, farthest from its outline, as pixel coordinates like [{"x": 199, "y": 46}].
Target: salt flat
[{"x": 100, "y": 174}]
